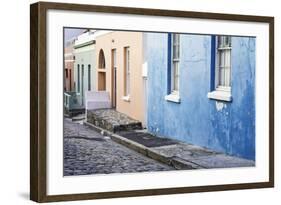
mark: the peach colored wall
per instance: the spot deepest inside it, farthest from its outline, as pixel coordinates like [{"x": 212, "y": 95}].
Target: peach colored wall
[{"x": 119, "y": 40}]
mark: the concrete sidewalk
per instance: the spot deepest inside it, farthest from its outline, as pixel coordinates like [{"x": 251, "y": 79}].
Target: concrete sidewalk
[{"x": 173, "y": 153}]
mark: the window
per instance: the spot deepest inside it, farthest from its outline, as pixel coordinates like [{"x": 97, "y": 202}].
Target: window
[
  {"x": 222, "y": 88},
  {"x": 66, "y": 73},
  {"x": 89, "y": 77},
  {"x": 101, "y": 71},
  {"x": 82, "y": 79},
  {"x": 101, "y": 60},
  {"x": 127, "y": 71},
  {"x": 70, "y": 83},
  {"x": 175, "y": 63},
  {"x": 78, "y": 78},
  {"x": 173, "y": 68},
  {"x": 224, "y": 62},
  {"x": 114, "y": 58}
]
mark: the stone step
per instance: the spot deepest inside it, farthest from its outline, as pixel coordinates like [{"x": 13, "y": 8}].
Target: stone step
[
  {"x": 112, "y": 120},
  {"x": 79, "y": 117}
]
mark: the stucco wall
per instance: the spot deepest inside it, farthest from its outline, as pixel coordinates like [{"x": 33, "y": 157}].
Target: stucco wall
[
  {"x": 119, "y": 40},
  {"x": 223, "y": 126}
]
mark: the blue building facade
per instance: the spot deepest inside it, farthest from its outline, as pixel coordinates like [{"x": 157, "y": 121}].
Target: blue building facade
[{"x": 225, "y": 123}]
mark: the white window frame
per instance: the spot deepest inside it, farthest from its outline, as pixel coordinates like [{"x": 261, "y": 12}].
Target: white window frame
[
  {"x": 222, "y": 90},
  {"x": 175, "y": 63},
  {"x": 127, "y": 75}
]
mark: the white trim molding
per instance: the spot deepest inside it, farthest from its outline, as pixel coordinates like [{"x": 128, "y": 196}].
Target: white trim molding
[
  {"x": 69, "y": 60},
  {"x": 126, "y": 98},
  {"x": 173, "y": 98},
  {"x": 220, "y": 95}
]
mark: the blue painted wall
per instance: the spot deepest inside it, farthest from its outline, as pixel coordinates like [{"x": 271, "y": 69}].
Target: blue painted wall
[{"x": 222, "y": 126}]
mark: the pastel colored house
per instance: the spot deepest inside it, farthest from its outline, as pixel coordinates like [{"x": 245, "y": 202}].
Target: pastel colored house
[
  {"x": 69, "y": 59},
  {"x": 201, "y": 90},
  {"x": 119, "y": 63},
  {"x": 84, "y": 66}
]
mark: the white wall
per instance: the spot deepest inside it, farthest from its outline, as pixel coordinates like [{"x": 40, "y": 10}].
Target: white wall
[{"x": 14, "y": 151}]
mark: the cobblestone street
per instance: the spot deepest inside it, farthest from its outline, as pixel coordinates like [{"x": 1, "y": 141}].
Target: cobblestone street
[{"x": 88, "y": 152}]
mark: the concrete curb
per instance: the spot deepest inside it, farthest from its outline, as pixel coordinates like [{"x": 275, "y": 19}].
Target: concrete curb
[{"x": 175, "y": 162}]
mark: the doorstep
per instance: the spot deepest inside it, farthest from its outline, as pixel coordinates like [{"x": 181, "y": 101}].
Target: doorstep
[{"x": 112, "y": 120}]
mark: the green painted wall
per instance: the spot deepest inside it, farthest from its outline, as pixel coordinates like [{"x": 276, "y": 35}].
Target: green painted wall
[{"x": 84, "y": 56}]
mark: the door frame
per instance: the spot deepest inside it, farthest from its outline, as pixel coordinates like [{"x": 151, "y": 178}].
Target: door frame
[{"x": 113, "y": 78}]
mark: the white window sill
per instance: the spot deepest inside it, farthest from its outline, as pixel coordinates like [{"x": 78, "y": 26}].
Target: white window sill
[
  {"x": 126, "y": 98},
  {"x": 173, "y": 98},
  {"x": 220, "y": 95}
]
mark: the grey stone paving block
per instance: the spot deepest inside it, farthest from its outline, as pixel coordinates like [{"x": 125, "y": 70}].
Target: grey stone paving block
[{"x": 112, "y": 120}]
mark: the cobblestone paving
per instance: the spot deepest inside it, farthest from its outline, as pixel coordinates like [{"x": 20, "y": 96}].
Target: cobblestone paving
[{"x": 88, "y": 152}]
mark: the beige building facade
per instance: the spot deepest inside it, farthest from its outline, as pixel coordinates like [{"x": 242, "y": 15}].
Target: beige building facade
[{"x": 119, "y": 63}]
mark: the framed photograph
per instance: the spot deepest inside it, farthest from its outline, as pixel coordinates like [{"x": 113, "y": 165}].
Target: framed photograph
[{"x": 134, "y": 102}]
